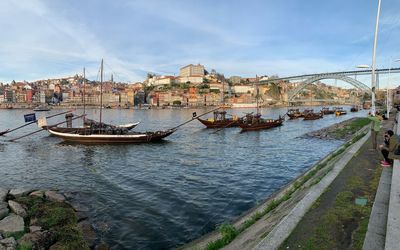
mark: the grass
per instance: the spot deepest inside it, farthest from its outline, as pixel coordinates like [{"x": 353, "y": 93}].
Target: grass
[
  {"x": 229, "y": 232},
  {"x": 59, "y": 217},
  {"x": 24, "y": 245},
  {"x": 351, "y": 128}
]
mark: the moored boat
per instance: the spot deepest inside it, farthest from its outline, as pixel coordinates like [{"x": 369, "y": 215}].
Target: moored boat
[
  {"x": 327, "y": 111},
  {"x": 354, "y": 108},
  {"x": 220, "y": 120},
  {"x": 100, "y": 133},
  {"x": 255, "y": 122},
  {"x": 294, "y": 113},
  {"x": 310, "y": 115},
  {"x": 87, "y": 137},
  {"x": 340, "y": 111}
]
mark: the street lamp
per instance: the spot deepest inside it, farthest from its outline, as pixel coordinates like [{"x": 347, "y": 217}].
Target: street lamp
[
  {"x": 387, "y": 87},
  {"x": 373, "y": 79}
]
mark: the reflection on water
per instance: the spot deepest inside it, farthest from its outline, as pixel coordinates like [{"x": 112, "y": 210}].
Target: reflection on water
[{"x": 161, "y": 195}]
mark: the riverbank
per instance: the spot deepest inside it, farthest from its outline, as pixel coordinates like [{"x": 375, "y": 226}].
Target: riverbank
[
  {"x": 247, "y": 231},
  {"x": 39, "y": 219},
  {"x": 340, "y": 131},
  {"x": 339, "y": 219}
]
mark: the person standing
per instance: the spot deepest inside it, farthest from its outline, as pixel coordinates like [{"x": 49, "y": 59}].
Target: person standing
[{"x": 375, "y": 127}]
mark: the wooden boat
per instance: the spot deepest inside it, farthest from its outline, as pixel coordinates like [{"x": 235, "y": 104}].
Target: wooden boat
[
  {"x": 107, "y": 137},
  {"x": 294, "y": 114},
  {"x": 327, "y": 111},
  {"x": 220, "y": 120},
  {"x": 310, "y": 115},
  {"x": 340, "y": 111},
  {"x": 101, "y": 133},
  {"x": 354, "y": 108},
  {"x": 41, "y": 108},
  {"x": 255, "y": 122}
]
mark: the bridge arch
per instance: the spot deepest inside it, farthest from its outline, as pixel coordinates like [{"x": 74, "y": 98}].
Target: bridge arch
[{"x": 344, "y": 78}]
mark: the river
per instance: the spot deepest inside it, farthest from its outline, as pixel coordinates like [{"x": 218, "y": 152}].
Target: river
[{"x": 162, "y": 195}]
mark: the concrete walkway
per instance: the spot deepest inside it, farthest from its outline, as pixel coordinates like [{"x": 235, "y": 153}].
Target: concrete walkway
[
  {"x": 376, "y": 233},
  {"x": 277, "y": 236},
  {"x": 393, "y": 220}
]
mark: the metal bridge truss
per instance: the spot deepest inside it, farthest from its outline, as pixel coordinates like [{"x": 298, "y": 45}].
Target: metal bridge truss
[{"x": 315, "y": 78}]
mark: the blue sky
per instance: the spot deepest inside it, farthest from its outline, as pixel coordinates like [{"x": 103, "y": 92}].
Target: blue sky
[{"x": 55, "y": 38}]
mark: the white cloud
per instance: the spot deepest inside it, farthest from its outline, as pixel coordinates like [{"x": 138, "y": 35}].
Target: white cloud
[{"x": 44, "y": 35}]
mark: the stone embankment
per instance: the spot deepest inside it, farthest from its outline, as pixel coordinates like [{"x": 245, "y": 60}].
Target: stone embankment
[
  {"x": 35, "y": 219},
  {"x": 339, "y": 131}
]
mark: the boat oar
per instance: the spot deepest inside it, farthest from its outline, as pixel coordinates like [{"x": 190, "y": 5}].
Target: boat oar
[
  {"x": 194, "y": 118},
  {"x": 47, "y": 127},
  {"x": 29, "y": 123}
]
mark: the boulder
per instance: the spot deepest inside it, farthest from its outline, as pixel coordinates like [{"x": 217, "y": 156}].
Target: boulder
[
  {"x": 12, "y": 224},
  {"x": 89, "y": 235},
  {"x": 37, "y": 194},
  {"x": 102, "y": 246},
  {"x": 79, "y": 207},
  {"x": 54, "y": 196},
  {"x": 3, "y": 194},
  {"x": 39, "y": 239},
  {"x": 3, "y": 212},
  {"x": 17, "y": 208},
  {"x": 81, "y": 216},
  {"x": 18, "y": 192},
  {"x": 8, "y": 244},
  {"x": 33, "y": 229}
]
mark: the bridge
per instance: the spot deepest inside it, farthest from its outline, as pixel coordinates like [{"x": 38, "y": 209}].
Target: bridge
[
  {"x": 345, "y": 76},
  {"x": 339, "y": 100}
]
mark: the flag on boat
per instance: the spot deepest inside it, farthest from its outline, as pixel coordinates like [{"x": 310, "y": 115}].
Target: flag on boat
[
  {"x": 42, "y": 122},
  {"x": 30, "y": 117}
]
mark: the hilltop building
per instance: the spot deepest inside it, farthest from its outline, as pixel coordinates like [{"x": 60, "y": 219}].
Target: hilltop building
[{"x": 192, "y": 70}]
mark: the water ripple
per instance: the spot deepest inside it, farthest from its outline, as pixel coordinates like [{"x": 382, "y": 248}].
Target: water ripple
[{"x": 159, "y": 196}]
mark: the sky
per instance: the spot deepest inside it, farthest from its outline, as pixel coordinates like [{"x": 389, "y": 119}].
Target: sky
[{"x": 42, "y": 39}]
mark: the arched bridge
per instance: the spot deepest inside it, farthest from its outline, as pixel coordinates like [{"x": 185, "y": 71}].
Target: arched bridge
[
  {"x": 354, "y": 82},
  {"x": 340, "y": 75}
]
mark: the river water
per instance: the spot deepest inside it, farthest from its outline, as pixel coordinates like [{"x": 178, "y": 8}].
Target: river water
[{"x": 162, "y": 195}]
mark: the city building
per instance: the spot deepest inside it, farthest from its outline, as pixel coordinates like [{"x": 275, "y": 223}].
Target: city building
[{"x": 192, "y": 70}]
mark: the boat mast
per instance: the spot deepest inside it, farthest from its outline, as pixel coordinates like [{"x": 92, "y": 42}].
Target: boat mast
[
  {"x": 257, "y": 95},
  {"x": 84, "y": 93},
  {"x": 101, "y": 90}
]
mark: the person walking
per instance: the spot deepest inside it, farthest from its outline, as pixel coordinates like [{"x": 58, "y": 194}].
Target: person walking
[{"x": 375, "y": 127}]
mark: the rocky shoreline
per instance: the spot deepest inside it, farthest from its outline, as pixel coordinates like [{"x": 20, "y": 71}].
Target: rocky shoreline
[
  {"x": 331, "y": 132},
  {"x": 44, "y": 219}
]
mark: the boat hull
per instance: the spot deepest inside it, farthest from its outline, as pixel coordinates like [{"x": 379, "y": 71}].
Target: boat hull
[
  {"x": 130, "y": 138},
  {"x": 312, "y": 116},
  {"x": 260, "y": 126},
  {"x": 219, "y": 123}
]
